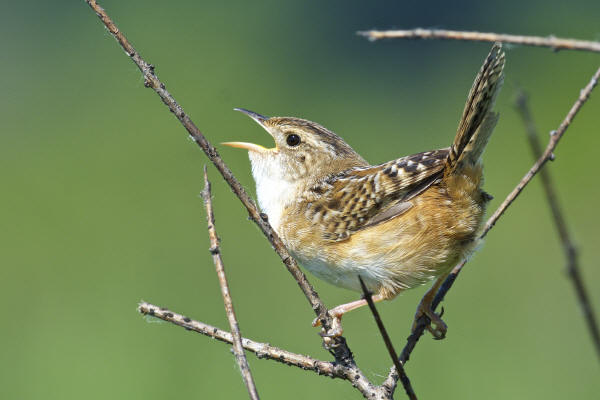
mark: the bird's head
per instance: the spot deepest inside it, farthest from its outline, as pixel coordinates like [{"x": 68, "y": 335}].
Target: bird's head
[{"x": 303, "y": 150}]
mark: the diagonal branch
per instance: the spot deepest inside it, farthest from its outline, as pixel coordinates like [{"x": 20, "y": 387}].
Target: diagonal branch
[
  {"x": 338, "y": 345},
  {"x": 152, "y": 81},
  {"x": 555, "y": 136},
  {"x": 215, "y": 250},
  {"x": 551, "y": 41},
  {"x": 561, "y": 224},
  {"x": 547, "y": 155},
  {"x": 388, "y": 344},
  {"x": 262, "y": 350},
  {"x": 349, "y": 372}
]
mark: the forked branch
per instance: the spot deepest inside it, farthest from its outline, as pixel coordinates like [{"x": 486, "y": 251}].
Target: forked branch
[
  {"x": 349, "y": 372},
  {"x": 262, "y": 350}
]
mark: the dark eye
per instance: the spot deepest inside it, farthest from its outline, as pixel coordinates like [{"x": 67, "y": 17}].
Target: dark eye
[{"x": 293, "y": 140}]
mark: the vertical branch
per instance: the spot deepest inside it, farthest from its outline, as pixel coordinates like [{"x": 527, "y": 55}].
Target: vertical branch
[
  {"x": 238, "y": 348},
  {"x": 559, "y": 221},
  {"x": 388, "y": 344}
]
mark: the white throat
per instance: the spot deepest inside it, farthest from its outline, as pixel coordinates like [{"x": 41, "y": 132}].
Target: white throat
[{"x": 274, "y": 193}]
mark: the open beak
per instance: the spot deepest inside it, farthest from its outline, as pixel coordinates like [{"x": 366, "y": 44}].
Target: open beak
[
  {"x": 246, "y": 145},
  {"x": 255, "y": 116},
  {"x": 260, "y": 119}
]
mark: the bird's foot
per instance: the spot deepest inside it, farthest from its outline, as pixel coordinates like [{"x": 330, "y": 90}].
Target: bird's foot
[
  {"x": 336, "y": 314},
  {"x": 336, "y": 329},
  {"x": 436, "y": 326}
]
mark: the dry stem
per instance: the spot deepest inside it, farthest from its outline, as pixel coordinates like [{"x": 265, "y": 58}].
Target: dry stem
[
  {"x": 350, "y": 373},
  {"x": 551, "y": 41},
  {"x": 215, "y": 250},
  {"x": 388, "y": 344},
  {"x": 561, "y": 224},
  {"x": 262, "y": 350}
]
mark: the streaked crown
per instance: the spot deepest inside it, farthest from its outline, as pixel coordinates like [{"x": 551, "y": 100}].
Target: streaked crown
[{"x": 303, "y": 149}]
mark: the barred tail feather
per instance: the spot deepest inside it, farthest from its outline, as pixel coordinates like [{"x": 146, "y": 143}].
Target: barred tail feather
[{"x": 478, "y": 119}]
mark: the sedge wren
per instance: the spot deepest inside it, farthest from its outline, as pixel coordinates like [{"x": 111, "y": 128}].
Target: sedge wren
[{"x": 397, "y": 225}]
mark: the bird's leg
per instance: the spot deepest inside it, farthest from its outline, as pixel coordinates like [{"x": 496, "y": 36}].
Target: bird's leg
[
  {"x": 337, "y": 313},
  {"x": 437, "y": 327}
]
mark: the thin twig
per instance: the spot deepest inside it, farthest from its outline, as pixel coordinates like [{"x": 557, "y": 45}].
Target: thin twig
[
  {"x": 262, "y": 350},
  {"x": 550, "y": 41},
  {"x": 555, "y": 136},
  {"x": 569, "y": 248},
  {"x": 215, "y": 250},
  {"x": 388, "y": 343},
  {"x": 152, "y": 81}
]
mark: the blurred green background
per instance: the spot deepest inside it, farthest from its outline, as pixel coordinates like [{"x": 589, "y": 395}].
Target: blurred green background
[{"x": 100, "y": 202}]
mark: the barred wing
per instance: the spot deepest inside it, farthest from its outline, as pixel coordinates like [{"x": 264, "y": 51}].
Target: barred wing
[{"x": 366, "y": 196}]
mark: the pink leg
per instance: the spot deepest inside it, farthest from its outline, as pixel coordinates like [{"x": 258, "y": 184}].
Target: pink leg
[{"x": 339, "y": 311}]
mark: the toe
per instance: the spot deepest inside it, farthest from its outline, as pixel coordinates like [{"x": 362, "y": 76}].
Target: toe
[
  {"x": 437, "y": 327},
  {"x": 336, "y": 329},
  {"x": 437, "y": 330}
]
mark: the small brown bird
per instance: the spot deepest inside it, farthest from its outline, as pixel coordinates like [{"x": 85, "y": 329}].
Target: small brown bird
[{"x": 397, "y": 225}]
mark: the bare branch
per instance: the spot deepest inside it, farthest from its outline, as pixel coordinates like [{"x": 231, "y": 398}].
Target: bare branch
[
  {"x": 215, "y": 250},
  {"x": 152, "y": 81},
  {"x": 546, "y": 155},
  {"x": 262, "y": 350},
  {"x": 561, "y": 224},
  {"x": 350, "y": 373},
  {"x": 552, "y": 42},
  {"x": 388, "y": 344}
]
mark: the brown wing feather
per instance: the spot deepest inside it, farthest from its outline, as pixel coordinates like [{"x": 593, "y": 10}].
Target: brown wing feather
[
  {"x": 362, "y": 197},
  {"x": 478, "y": 120}
]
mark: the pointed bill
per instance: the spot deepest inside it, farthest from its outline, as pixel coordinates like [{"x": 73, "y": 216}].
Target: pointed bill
[
  {"x": 245, "y": 145},
  {"x": 260, "y": 119}
]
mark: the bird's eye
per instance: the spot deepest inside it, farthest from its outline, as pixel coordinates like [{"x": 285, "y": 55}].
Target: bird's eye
[{"x": 293, "y": 140}]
